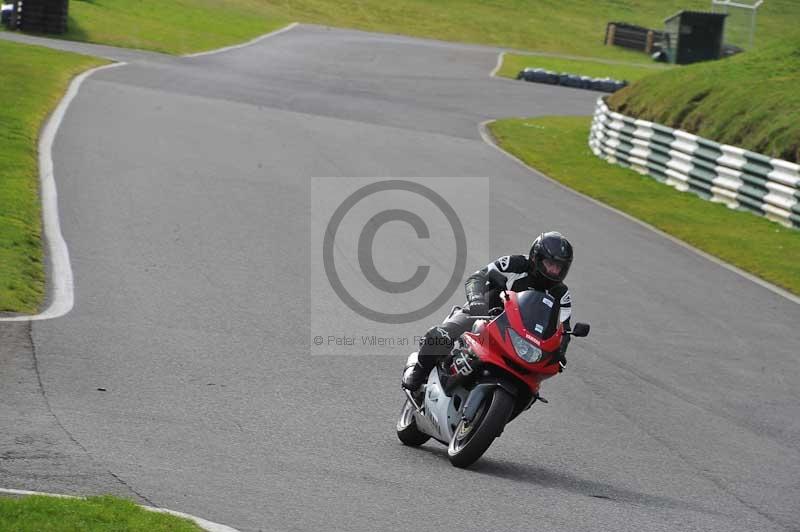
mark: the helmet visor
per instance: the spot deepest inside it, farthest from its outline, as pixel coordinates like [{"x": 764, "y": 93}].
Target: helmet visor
[{"x": 553, "y": 269}]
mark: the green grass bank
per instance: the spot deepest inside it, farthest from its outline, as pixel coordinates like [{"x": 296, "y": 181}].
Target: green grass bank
[
  {"x": 558, "y": 147},
  {"x": 95, "y": 514},
  {"x": 170, "y": 26},
  {"x": 751, "y": 100},
  {"x": 33, "y": 81}
]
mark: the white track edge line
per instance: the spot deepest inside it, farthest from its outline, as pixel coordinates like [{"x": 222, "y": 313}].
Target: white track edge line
[
  {"x": 500, "y": 58},
  {"x": 488, "y": 139},
  {"x": 203, "y": 523},
  {"x": 61, "y": 291},
  {"x": 244, "y": 44}
]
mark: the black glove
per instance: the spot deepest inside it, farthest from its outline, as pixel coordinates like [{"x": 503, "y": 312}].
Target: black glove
[
  {"x": 478, "y": 307},
  {"x": 562, "y": 354},
  {"x": 496, "y": 311}
]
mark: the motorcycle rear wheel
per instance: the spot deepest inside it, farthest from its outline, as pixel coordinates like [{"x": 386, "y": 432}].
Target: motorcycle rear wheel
[
  {"x": 407, "y": 431},
  {"x": 470, "y": 440}
]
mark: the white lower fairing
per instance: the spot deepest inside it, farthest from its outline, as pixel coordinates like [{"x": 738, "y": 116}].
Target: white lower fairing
[{"x": 440, "y": 415}]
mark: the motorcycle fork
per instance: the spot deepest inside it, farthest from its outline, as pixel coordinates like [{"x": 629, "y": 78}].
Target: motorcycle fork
[{"x": 413, "y": 401}]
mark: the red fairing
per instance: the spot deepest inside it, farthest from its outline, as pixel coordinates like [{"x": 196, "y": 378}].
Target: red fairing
[{"x": 493, "y": 346}]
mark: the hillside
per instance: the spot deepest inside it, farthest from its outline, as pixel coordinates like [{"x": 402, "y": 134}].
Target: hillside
[
  {"x": 565, "y": 26},
  {"x": 751, "y": 100}
]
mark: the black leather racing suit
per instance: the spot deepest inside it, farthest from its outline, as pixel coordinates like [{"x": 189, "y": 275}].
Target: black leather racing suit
[{"x": 512, "y": 272}]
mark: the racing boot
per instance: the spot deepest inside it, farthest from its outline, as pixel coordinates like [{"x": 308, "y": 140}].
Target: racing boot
[{"x": 414, "y": 375}]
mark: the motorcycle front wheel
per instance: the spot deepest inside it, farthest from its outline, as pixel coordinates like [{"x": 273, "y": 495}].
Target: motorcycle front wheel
[
  {"x": 407, "y": 431},
  {"x": 470, "y": 440}
]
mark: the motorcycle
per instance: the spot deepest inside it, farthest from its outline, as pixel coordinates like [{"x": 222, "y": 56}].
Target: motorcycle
[{"x": 491, "y": 375}]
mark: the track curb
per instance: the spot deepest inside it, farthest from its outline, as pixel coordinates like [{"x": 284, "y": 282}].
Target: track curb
[
  {"x": 244, "y": 44},
  {"x": 61, "y": 291}
]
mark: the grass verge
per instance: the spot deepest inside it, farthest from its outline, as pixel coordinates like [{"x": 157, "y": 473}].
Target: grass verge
[
  {"x": 558, "y": 147},
  {"x": 751, "y": 100},
  {"x": 513, "y": 63},
  {"x": 170, "y": 26},
  {"x": 565, "y": 26},
  {"x": 33, "y": 80},
  {"x": 37, "y": 513}
]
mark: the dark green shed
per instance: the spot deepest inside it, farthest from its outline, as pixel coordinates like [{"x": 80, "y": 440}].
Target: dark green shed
[{"x": 693, "y": 36}]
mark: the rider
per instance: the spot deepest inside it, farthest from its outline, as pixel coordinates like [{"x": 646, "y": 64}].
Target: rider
[{"x": 543, "y": 269}]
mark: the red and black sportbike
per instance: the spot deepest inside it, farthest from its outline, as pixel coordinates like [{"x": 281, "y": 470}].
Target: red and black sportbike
[{"x": 491, "y": 375}]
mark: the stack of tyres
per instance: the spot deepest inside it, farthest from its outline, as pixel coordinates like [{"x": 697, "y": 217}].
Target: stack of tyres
[
  {"x": 550, "y": 77},
  {"x": 599, "y": 84},
  {"x": 607, "y": 84},
  {"x": 539, "y": 75},
  {"x": 527, "y": 73},
  {"x": 573, "y": 81},
  {"x": 44, "y": 16}
]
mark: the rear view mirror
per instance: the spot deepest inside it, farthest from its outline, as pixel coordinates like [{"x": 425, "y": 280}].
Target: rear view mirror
[{"x": 580, "y": 329}]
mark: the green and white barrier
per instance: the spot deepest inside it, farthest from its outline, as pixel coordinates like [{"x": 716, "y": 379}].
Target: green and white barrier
[{"x": 717, "y": 172}]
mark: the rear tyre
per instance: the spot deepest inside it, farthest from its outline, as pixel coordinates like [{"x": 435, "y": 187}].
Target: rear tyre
[
  {"x": 407, "y": 431},
  {"x": 470, "y": 440}
]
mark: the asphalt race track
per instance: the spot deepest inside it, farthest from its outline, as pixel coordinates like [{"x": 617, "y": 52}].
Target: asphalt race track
[{"x": 184, "y": 188}]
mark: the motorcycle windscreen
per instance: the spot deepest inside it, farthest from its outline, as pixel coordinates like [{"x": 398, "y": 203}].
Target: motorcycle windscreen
[{"x": 539, "y": 313}]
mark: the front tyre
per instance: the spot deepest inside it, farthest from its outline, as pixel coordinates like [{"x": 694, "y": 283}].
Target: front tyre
[
  {"x": 470, "y": 440},
  {"x": 407, "y": 431}
]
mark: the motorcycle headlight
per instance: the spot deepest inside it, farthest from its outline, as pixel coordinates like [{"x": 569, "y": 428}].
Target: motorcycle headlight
[{"x": 525, "y": 350}]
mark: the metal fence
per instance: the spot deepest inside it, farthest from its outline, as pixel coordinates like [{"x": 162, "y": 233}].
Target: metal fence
[
  {"x": 40, "y": 16},
  {"x": 633, "y": 37},
  {"x": 717, "y": 172}
]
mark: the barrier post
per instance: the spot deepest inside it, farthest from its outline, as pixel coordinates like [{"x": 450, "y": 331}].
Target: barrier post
[{"x": 612, "y": 30}]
